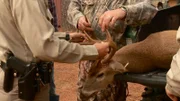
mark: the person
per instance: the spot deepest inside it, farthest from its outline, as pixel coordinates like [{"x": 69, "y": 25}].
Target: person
[
  {"x": 52, "y": 8},
  {"x": 172, "y": 77},
  {"x": 96, "y": 16},
  {"x": 26, "y": 32},
  {"x": 54, "y": 22}
]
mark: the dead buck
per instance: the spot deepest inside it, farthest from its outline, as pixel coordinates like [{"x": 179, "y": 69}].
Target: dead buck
[{"x": 155, "y": 51}]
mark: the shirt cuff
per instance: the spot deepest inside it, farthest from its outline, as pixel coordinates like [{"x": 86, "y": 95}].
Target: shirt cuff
[
  {"x": 90, "y": 52},
  {"x": 172, "y": 88},
  {"x": 60, "y": 34}
]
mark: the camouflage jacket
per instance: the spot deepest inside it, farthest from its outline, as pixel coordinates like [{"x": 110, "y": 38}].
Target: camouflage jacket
[{"x": 138, "y": 12}]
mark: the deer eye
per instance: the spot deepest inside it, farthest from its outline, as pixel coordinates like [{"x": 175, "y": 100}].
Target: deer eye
[{"x": 100, "y": 75}]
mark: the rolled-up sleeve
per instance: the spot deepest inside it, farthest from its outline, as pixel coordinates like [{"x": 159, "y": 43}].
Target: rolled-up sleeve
[
  {"x": 140, "y": 13},
  {"x": 173, "y": 74},
  {"x": 172, "y": 77},
  {"x": 38, "y": 33}
]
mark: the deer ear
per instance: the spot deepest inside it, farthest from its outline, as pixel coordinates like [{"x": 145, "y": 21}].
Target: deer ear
[{"x": 117, "y": 67}]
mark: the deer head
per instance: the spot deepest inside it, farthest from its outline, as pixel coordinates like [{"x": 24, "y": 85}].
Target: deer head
[
  {"x": 101, "y": 72},
  {"x": 101, "y": 76}
]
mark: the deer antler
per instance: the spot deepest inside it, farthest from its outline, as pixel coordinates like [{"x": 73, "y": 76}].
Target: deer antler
[
  {"x": 112, "y": 45},
  {"x": 89, "y": 40}
]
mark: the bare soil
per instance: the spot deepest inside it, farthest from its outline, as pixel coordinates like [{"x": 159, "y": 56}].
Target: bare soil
[{"x": 66, "y": 76}]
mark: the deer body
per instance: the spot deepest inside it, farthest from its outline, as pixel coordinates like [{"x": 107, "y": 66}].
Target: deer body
[{"x": 156, "y": 51}]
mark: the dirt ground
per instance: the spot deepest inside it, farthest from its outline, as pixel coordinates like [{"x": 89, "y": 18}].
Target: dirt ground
[{"x": 66, "y": 79}]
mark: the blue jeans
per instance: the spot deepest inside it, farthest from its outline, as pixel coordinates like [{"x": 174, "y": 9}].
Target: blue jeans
[{"x": 52, "y": 91}]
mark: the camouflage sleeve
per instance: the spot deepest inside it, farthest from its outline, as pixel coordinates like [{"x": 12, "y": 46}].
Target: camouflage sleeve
[
  {"x": 140, "y": 13},
  {"x": 74, "y": 12}
]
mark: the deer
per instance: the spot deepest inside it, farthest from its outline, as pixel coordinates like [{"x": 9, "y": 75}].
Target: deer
[{"x": 156, "y": 51}]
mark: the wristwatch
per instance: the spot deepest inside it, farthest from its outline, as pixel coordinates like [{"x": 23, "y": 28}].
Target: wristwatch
[{"x": 67, "y": 36}]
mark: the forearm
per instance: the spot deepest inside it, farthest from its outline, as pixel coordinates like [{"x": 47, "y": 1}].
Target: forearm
[
  {"x": 63, "y": 51},
  {"x": 74, "y": 12},
  {"x": 140, "y": 13}
]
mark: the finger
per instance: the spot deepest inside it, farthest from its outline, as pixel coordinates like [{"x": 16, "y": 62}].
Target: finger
[
  {"x": 101, "y": 20},
  {"x": 171, "y": 96},
  {"x": 85, "y": 38},
  {"x": 88, "y": 29},
  {"x": 78, "y": 39},
  {"x": 103, "y": 26},
  {"x": 113, "y": 20},
  {"x": 107, "y": 50},
  {"x": 106, "y": 22},
  {"x": 81, "y": 27},
  {"x": 86, "y": 24},
  {"x": 80, "y": 35}
]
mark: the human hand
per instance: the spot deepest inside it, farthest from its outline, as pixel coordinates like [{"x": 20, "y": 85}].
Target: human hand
[
  {"x": 109, "y": 18},
  {"x": 83, "y": 24},
  {"x": 102, "y": 48},
  {"x": 77, "y": 37},
  {"x": 171, "y": 96}
]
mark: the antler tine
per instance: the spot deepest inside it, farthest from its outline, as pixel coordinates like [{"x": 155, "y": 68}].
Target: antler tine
[
  {"x": 89, "y": 38},
  {"x": 108, "y": 36},
  {"x": 94, "y": 67},
  {"x": 89, "y": 41},
  {"x": 113, "y": 47}
]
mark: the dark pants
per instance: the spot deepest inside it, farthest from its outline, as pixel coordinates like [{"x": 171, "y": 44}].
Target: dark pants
[{"x": 52, "y": 93}]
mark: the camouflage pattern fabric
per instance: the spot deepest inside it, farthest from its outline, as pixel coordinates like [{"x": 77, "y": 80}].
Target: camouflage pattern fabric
[
  {"x": 93, "y": 9},
  {"x": 139, "y": 12}
]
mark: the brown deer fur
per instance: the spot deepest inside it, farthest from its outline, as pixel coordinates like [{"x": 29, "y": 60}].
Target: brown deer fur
[{"x": 156, "y": 51}]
